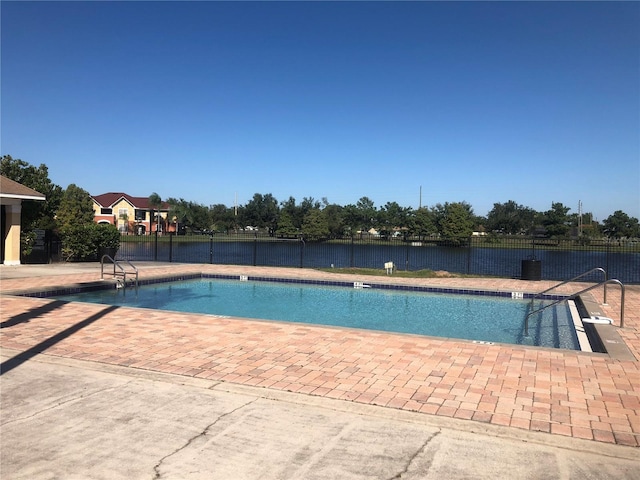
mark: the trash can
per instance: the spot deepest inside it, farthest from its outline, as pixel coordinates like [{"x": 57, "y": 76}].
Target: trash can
[{"x": 531, "y": 270}]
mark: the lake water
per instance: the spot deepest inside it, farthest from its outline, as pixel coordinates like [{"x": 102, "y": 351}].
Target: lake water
[{"x": 556, "y": 265}]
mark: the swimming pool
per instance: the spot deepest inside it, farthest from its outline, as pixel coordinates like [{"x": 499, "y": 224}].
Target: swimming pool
[{"x": 451, "y": 315}]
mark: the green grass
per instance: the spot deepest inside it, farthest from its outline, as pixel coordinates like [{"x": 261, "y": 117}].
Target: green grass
[{"x": 396, "y": 273}]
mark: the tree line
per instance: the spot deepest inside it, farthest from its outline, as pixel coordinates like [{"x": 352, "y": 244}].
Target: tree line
[
  {"x": 454, "y": 221},
  {"x": 316, "y": 220}
]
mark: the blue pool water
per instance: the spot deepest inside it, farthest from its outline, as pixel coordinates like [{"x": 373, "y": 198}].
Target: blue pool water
[{"x": 471, "y": 317}]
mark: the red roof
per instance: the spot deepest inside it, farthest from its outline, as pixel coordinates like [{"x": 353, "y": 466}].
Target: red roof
[{"x": 107, "y": 200}]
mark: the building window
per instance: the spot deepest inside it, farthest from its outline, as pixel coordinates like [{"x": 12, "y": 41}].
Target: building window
[
  {"x": 106, "y": 211},
  {"x": 141, "y": 215},
  {"x": 123, "y": 220}
]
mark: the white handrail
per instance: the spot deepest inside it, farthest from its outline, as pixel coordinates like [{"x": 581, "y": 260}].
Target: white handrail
[
  {"x": 574, "y": 295},
  {"x": 573, "y": 279}
]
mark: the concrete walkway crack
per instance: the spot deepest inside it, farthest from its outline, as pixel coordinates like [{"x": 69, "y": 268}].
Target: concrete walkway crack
[
  {"x": 302, "y": 473},
  {"x": 62, "y": 403},
  {"x": 415, "y": 455},
  {"x": 204, "y": 432}
]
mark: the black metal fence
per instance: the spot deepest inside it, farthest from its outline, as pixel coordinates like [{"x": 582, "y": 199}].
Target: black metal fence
[
  {"x": 47, "y": 248},
  {"x": 499, "y": 256}
]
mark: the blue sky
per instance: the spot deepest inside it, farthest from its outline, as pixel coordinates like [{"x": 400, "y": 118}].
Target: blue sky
[{"x": 481, "y": 102}]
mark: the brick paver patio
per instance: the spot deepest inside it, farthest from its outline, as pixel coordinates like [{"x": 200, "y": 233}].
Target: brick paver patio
[{"x": 585, "y": 395}]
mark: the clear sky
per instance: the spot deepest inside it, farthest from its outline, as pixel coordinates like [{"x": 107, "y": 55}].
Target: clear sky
[{"x": 481, "y": 102}]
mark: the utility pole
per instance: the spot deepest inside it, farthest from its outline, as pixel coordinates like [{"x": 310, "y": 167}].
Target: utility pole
[
  {"x": 420, "y": 203},
  {"x": 579, "y": 218},
  {"x": 235, "y": 212}
]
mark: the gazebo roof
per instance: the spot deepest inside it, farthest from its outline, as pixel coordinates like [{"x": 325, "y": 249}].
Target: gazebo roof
[{"x": 12, "y": 189}]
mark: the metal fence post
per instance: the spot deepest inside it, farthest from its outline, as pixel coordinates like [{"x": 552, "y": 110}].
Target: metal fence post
[
  {"x": 255, "y": 249},
  {"x": 155, "y": 246},
  {"x": 406, "y": 246},
  {"x": 301, "y": 251},
  {"x": 469, "y": 255},
  {"x": 608, "y": 254},
  {"x": 351, "y": 253},
  {"x": 171, "y": 247},
  {"x": 211, "y": 249}
]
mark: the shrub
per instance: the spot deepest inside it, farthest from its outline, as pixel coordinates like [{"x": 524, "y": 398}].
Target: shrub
[
  {"x": 77, "y": 243},
  {"x": 82, "y": 243},
  {"x": 27, "y": 241},
  {"x": 106, "y": 236}
]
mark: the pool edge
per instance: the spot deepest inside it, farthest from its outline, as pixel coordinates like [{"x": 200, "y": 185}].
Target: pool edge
[{"x": 583, "y": 341}]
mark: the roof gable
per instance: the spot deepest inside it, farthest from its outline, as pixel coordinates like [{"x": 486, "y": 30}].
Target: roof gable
[{"x": 108, "y": 200}]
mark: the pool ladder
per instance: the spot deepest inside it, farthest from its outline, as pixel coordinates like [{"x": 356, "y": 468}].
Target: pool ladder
[
  {"x": 603, "y": 283},
  {"x": 120, "y": 274}
]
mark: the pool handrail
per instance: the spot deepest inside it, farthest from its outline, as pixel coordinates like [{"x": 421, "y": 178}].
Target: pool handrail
[
  {"x": 122, "y": 271},
  {"x": 574, "y": 295},
  {"x": 574, "y": 279}
]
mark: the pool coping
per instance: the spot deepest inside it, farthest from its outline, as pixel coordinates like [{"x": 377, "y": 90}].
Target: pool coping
[
  {"x": 607, "y": 334},
  {"x": 69, "y": 289}
]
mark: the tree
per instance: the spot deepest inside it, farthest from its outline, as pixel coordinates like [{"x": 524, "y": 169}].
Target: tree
[
  {"x": 222, "y": 218},
  {"x": 155, "y": 202},
  {"x": 76, "y": 208},
  {"x": 297, "y": 212},
  {"x": 392, "y": 216},
  {"x": 423, "y": 223},
  {"x": 335, "y": 222},
  {"x": 365, "y": 214},
  {"x": 201, "y": 216},
  {"x": 556, "y": 221},
  {"x": 315, "y": 225},
  {"x": 34, "y": 214},
  {"x": 179, "y": 212},
  {"x": 191, "y": 215},
  {"x": 286, "y": 228},
  {"x": 196, "y": 216},
  {"x": 289, "y": 210},
  {"x": 510, "y": 218},
  {"x": 124, "y": 217},
  {"x": 621, "y": 225},
  {"x": 262, "y": 212},
  {"x": 80, "y": 236},
  {"x": 351, "y": 219},
  {"x": 308, "y": 204},
  {"x": 455, "y": 222},
  {"x": 588, "y": 229}
]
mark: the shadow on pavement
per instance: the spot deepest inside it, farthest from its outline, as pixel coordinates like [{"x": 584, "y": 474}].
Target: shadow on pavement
[
  {"x": 22, "y": 357},
  {"x": 33, "y": 313}
]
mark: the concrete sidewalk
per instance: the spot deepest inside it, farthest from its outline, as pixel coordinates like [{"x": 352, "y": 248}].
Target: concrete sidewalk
[
  {"x": 8, "y": 272},
  {"x": 71, "y": 419}
]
